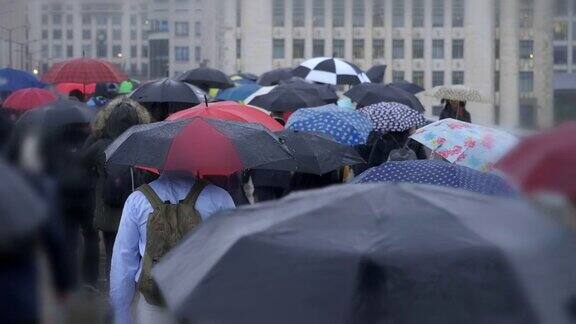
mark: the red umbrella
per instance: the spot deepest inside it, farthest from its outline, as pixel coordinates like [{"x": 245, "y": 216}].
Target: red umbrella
[
  {"x": 545, "y": 162},
  {"x": 65, "y": 88},
  {"x": 229, "y": 110},
  {"x": 84, "y": 71},
  {"x": 30, "y": 98}
]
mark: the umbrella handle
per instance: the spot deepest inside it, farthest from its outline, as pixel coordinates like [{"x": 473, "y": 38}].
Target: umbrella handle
[{"x": 132, "y": 179}]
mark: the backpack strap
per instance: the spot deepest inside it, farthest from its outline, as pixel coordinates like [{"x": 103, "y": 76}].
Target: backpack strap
[
  {"x": 151, "y": 195},
  {"x": 195, "y": 192}
]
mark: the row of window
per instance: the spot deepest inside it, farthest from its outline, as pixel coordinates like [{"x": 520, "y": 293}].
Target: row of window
[
  {"x": 561, "y": 55},
  {"x": 101, "y": 19},
  {"x": 359, "y": 46},
  {"x": 562, "y": 9},
  {"x": 101, "y": 51},
  {"x": 359, "y": 11},
  {"x": 182, "y": 54},
  {"x": 438, "y": 77}
]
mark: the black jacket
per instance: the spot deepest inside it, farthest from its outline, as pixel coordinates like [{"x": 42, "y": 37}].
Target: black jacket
[{"x": 448, "y": 112}]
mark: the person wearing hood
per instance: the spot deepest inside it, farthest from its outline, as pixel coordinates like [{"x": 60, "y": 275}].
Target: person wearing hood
[
  {"x": 387, "y": 143},
  {"x": 456, "y": 110},
  {"x": 113, "y": 183}
]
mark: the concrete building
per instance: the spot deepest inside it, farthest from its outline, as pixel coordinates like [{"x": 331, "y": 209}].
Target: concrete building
[{"x": 498, "y": 46}]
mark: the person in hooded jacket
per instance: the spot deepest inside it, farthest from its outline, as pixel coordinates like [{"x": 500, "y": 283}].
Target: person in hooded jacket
[
  {"x": 388, "y": 142},
  {"x": 114, "y": 183},
  {"x": 456, "y": 110}
]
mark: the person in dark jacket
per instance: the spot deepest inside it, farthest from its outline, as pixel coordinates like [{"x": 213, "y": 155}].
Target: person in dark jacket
[
  {"x": 456, "y": 110},
  {"x": 388, "y": 142},
  {"x": 270, "y": 184},
  {"x": 119, "y": 115}
]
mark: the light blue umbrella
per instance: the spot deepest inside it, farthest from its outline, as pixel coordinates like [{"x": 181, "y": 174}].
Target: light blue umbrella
[
  {"x": 345, "y": 126},
  {"x": 239, "y": 93}
]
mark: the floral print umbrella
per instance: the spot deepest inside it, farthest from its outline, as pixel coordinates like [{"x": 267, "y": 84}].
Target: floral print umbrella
[
  {"x": 465, "y": 144},
  {"x": 393, "y": 117},
  {"x": 345, "y": 126}
]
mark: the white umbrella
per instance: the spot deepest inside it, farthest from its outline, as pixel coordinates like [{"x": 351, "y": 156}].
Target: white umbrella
[{"x": 458, "y": 93}]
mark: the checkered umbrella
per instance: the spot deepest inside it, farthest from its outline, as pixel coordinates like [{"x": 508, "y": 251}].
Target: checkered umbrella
[
  {"x": 393, "y": 117},
  {"x": 330, "y": 71}
]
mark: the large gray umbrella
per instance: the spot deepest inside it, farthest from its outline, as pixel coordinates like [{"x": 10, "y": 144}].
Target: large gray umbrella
[{"x": 374, "y": 254}]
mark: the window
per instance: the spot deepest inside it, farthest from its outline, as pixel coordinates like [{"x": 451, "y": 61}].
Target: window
[
  {"x": 497, "y": 49},
  {"x": 44, "y": 19},
  {"x": 497, "y": 13},
  {"x": 117, "y": 50},
  {"x": 133, "y": 20},
  {"x": 458, "y": 13},
  {"x": 497, "y": 81},
  {"x": 144, "y": 51},
  {"x": 298, "y": 14},
  {"x": 526, "y": 13},
  {"x": 181, "y": 28},
  {"x": 181, "y": 54},
  {"x": 298, "y": 48},
  {"x": 116, "y": 20},
  {"x": 318, "y": 11},
  {"x": 86, "y": 34},
  {"x": 418, "y": 48},
  {"x": 574, "y": 27},
  {"x": 69, "y": 19},
  {"x": 57, "y": 34},
  {"x": 116, "y": 34},
  {"x": 458, "y": 77},
  {"x": 87, "y": 50},
  {"x": 197, "y": 54},
  {"x": 238, "y": 13},
  {"x": 561, "y": 30},
  {"x": 438, "y": 49},
  {"x": 526, "y": 81},
  {"x": 438, "y": 13},
  {"x": 560, "y": 55},
  {"x": 86, "y": 19},
  {"x": 133, "y": 51},
  {"x": 338, "y": 11},
  {"x": 560, "y": 8},
  {"x": 101, "y": 19},
  {"x": 69, "y": 51},
  {"x": 238, "y": 48},
  {"x": 457, "y": 48},
  {"x": 278, "y": 13},
  {"x": 278, "y": 49},
  {"x": 378, "y": 11},
  {"x": 418, "y": 78},
  {"x": 527, "y": 116},
  {"x": 57, "y": 51},
  {"x": 318, "y": 48},
  {"x": 398, "y": 76},
  {"x": 69, "y": 34},
  {"x": 378, "y": 48},
  {"x": 398, "y": 13},
  {"x": 338, "y": 47},
  {"x": 44, "y": 34},
  {"x": 526, "y": 49},
  {"x": 133, "y": 68},
  {"x": 133, "y": 35},
  {"x": 198, "y": 29},
  {"x": 398, "y": 49},
  {"x": 574, "y": 55},
  {"x": 418, "y": 13},
  {"x": 56, "y": 19},
  {"x": 358, "y": 13},
  {"x": 437, "y": 78},
  {"x": 44, "y": 50},
  {"x": 358, "y": 48}
]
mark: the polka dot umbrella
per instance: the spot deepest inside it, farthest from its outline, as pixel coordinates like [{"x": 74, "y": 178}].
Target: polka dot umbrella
[{"x": 393, "y": 117}]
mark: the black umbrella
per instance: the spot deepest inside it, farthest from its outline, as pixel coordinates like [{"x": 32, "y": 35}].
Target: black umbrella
[
  {"x": 408, "y": 87},
  {"x": 274, "y": 77},
  {"x": 288, "y": 99},
  {"x": 23, "y": 210},
  {"x": 376, "y": 73},
  {"x": 367, "y": 94},
  {"x": 200, "y": 146},
  {"x": 326, "y": 92},
  {"x": 318, "y": 153},
  {"x": 385, "y": 253},
  {"x": 245, "y": 76},
  {"x": 207, "y": 78},
  {"x": 56, "y": 115}
]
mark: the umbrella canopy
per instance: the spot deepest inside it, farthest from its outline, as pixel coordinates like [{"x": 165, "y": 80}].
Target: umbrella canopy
[
  {"x": 30, "y": 98},
  {"x": 465, "y": 144},
  {"x": 127, "y": 86},
  {"x": 393, "y": 117},
  {"x": 239, "y": 93},
  {"x": 318, "y": 153},
  {"x": 260, "y": 92},
  {"x": 458, "y": 93},
  {"x": 168, "y": 91},
  {"x": 57, "y": 114},
  {"x": 66, "y": 88},
  {"x": 227, "y": 110},
  {"x": 199, "y": 146},
  {"x": 439, "y": 173},
  {"x": 367, "y": 94},
  {"x": 545, "y": 162},
  {"x": 274, "y": 77},
  {"x": 376, "y": 73},
  {"x": 408, "y": 87},
  {"x": 84, "y": 71},
  {"x": 330, "y": 70},
  {"x": 23, "y": 210},
  {"x": 326, "y": 92},
  {"x": 244, "y": 78},
  {"x": 345, "y": 126},
  {"x": 288, "y": 99},
  {"x": 383, "y": 253},
  {"x": 12, "y": 80},
  {"x": 207, "y": 78}
]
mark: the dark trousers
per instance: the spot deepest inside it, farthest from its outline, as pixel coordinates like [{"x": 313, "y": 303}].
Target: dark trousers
[
  {"x": 76, "y": 223},
  {"x": 109, "y": 238}
]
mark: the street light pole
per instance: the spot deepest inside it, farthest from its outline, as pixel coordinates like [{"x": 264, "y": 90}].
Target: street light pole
[{"x": 10, "y": 41}]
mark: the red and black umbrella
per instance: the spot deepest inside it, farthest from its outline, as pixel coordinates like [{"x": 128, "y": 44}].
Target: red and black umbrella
[
  {"x": 200, "y": 146},
  {"x": 84, "y": 71},
  {"x": 26, "y": 99},
  {"x": 545, "y": 162},
  {"x": 229, "y": 110}
]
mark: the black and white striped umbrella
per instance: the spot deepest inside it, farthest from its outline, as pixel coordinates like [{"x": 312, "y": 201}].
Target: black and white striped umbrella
[{"x": 330, "y": 71}]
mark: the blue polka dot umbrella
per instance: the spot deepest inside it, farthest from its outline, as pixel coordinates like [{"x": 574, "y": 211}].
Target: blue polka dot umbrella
[
  {"x": 438, "y": 173},
  {"x": 393, "y": 117},
  {"x": 345, "y": 126}
]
